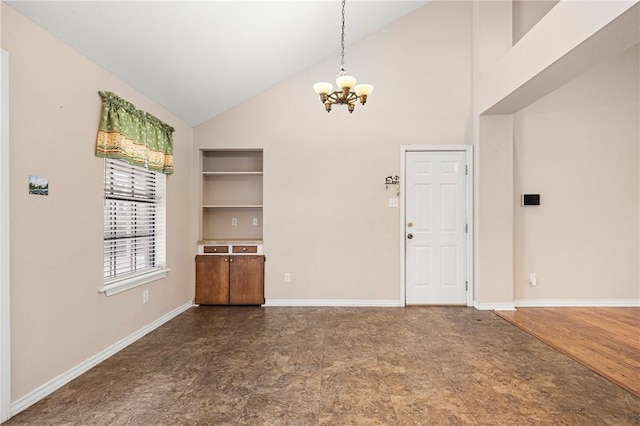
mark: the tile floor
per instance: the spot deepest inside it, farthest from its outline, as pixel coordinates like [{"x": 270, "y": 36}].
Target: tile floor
[{"x": 337, "y": 366}]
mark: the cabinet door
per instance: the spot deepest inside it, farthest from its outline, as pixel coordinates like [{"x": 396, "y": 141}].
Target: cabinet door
[
  {"x": 246, "y": 280},
  {"x": 212, "y": 280}
]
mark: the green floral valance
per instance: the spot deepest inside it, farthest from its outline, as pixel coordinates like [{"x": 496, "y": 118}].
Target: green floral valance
[{"x": 135, "y": 136}]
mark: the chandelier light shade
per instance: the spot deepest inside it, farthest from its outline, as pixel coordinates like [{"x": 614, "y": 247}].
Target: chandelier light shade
[{"x": 347, "y": 92}]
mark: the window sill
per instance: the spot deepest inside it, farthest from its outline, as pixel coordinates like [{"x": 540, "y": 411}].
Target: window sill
[{"x": 133, "y": 282}]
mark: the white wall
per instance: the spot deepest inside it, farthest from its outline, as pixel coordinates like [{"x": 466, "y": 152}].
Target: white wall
[
  {"x": 58, "y": 318},
  {"x": 326, "y": 214},
  {"x": 578, "y": 148}
]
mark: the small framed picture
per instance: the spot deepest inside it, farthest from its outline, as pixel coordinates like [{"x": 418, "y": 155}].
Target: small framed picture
[{"x": 38, "y": 185}]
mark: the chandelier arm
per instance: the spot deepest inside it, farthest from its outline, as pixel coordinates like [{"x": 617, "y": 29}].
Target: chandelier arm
[{"x": 333, "y": 98}]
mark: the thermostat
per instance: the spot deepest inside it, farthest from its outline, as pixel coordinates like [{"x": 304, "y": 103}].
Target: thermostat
[{"x": 530, "y": 199}]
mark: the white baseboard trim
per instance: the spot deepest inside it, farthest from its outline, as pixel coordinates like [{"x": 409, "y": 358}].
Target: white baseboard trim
[
  {"x": 334, "y": 303},
  {"x": 576, "y": 303},
  {"x": 494, "y": 306},
  {"x": 57, "y": 382}
]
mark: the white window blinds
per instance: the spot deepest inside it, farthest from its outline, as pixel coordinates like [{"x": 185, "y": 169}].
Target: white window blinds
[{"x": 133, "y": 220}]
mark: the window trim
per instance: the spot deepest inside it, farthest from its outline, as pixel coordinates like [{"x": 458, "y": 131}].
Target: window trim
[
  {"x": 112, "y": 286},
  {"x": 133, "y": 282}
]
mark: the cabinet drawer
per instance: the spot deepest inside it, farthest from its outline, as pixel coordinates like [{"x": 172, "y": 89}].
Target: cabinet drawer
[
  {"x": 216, "y": 249},
  {"x": 245, "y": 249}
]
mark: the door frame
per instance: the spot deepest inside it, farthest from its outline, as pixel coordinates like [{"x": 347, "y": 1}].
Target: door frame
[
  {"x": 5, "y": 338},
  {"x": 468, "y": 150}
]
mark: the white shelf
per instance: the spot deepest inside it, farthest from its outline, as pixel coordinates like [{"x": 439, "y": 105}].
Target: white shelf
[
  {"x": 232, "y": 206},
  {"x": 232, "y": 173}
]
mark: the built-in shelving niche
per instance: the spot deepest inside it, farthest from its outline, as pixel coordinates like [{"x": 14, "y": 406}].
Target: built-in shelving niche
[{"x": 232, "y": 188}]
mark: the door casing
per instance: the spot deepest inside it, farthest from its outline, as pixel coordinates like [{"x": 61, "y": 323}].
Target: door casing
[
  {"x": 5, "y": 340},
  {"x": 468, "y": 150}
]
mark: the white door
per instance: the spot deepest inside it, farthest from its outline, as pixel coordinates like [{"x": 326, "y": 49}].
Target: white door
[{"x": 435, "y": 228}]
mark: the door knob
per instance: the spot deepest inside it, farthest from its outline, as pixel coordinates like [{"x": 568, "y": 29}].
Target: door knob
[{"x": 409, "y": 236}]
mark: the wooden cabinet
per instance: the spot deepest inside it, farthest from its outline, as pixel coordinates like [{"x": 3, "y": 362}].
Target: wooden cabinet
[
  {"x": 229, "y": 280},
  {"x": 246, "y": 280},
  {"x": 216, "y": 249},
  {"x": 212, "y": 280}
]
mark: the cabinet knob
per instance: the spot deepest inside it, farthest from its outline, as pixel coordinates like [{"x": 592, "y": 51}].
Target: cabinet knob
[
  {"x": 225, "y": 259},
  {"x": 244, "y": 249},
  {"x": 231, "y": 260}
]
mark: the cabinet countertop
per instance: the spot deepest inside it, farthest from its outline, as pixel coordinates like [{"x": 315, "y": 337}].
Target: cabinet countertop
[{"x": 228, "y": 242}]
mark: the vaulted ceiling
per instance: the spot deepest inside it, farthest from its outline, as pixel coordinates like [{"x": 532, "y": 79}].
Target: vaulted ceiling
[{"x": 199, "y": 58}]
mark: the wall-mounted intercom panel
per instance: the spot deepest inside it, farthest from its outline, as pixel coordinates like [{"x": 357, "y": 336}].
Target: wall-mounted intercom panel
[{"x": 530, "y": 199}]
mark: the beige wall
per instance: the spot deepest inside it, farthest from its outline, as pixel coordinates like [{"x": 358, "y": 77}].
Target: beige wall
[
  {"x": 58, "y": 318},
  {"x": 578, "y": 148},
  {"x": 493, "y": 185},
  {"x": 527, "y": 13},
  {"x": 326, "y": 214},
  {"x": 494, "y": 253},
  {"x": 573, "y": 37}
]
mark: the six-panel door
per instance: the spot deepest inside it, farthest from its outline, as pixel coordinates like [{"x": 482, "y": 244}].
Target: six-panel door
[{"x": 435, "y": 233}]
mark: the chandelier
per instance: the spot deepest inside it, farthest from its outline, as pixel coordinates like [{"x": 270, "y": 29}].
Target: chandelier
[{"x": 348, "y": 92}]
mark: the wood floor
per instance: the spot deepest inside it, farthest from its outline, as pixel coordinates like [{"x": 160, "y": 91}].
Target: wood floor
[
  {"x": 337, "y": 366},
  {"x": 607, "y": 340}
]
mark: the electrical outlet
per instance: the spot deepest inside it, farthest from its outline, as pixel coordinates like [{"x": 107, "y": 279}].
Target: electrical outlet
[
  {"x": 234, "y": 221},
  {"x": 255, "y": 221},
  {"x": 145, "y": 296},
  {"x": 533, "y": 281},
  {"x": 287, "y": 277},
  {"x": 393, "y": 202}
]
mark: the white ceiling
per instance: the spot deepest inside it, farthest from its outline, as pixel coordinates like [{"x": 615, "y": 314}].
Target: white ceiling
[{"x": 199, "y": 58}]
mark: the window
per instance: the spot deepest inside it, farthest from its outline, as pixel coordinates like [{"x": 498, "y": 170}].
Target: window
[{"x": 134, "y": 226}]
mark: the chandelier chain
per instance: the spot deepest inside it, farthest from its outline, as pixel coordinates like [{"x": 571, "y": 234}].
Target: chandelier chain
[
  {"x": 347, "y": 93},
  {"x": 342, "y": 39}
]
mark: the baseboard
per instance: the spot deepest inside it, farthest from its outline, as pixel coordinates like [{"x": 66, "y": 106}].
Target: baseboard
[
  {"x": 57, "y": 382},
  {"x": 494, "y": 306},
  {"x": 576, "y": 303},
  {"x": 334, "y": 303}
]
